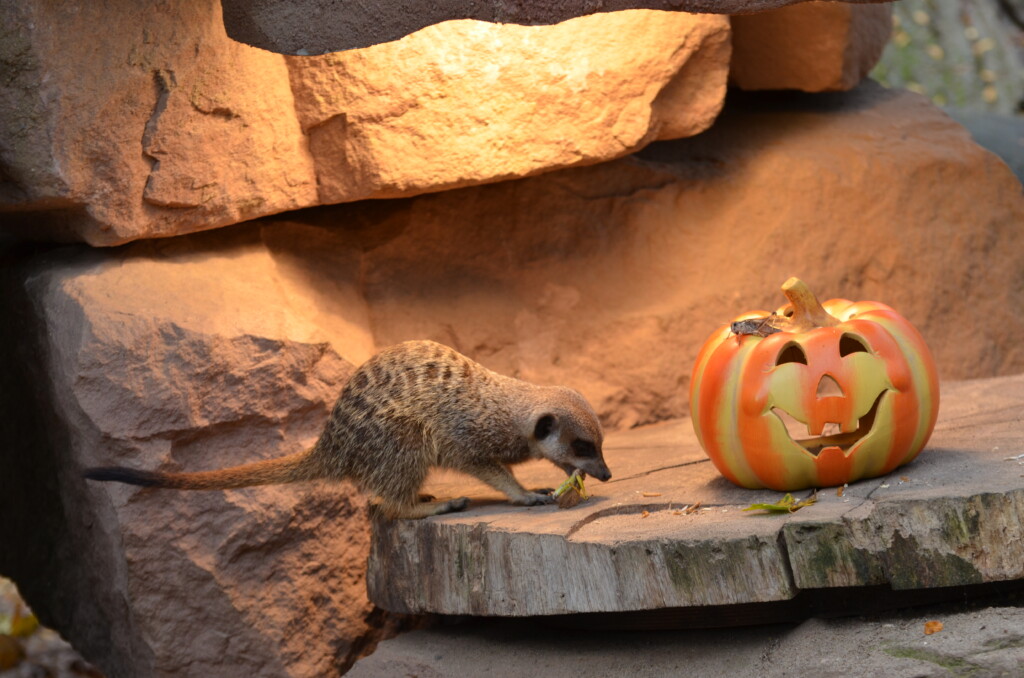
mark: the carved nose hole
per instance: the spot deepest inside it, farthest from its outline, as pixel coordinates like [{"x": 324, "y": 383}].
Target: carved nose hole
[{"x": 829, "y": 387}]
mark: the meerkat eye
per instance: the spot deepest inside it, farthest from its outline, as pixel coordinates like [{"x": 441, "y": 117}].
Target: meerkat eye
[
  {"x": 584, "y": 448},
  {"x": 544, "y": 426}
]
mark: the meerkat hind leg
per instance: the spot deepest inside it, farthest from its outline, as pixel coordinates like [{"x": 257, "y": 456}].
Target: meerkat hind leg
[{"x": 421, "y": 509}]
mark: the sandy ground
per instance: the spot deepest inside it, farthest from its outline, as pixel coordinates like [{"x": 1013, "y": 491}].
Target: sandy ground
[{"x": 975, "y": 640}]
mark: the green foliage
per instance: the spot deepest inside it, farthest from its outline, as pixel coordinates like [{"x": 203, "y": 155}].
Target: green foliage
[
  {"x": 15, "y": 617},
  {"x": 571, "y": 492},
  {"x": 961, "y": 53},
  {"x": 788, "y": 504}
]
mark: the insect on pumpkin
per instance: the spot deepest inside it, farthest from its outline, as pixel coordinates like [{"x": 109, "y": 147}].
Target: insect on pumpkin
[{"x": 759, "y": 327}]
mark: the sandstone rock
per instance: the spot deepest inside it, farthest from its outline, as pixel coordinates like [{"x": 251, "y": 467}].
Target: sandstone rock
[
  {"x": 468, "y": 102},
  {"x": 609, "y": 278},
  {"x": 813, "y": 46},
  {"x": 187, "y": 355},
  {"x": 162, "y": 126},
  {"x": 167, "y": 126},
  {"x": 320, "y": 26}
]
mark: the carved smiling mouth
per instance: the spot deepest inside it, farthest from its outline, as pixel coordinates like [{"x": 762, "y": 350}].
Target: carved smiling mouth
[{"x": 831, "y": 436}]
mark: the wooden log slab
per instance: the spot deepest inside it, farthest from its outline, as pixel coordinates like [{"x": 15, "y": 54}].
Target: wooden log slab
[{"x": 951, "y": 518}]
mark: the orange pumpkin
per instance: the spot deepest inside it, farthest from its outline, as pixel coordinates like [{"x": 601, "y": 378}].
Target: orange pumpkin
[{"x": 813, "y": 395}]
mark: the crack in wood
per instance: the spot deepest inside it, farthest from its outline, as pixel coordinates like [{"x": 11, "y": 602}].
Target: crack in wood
[{"x": 644, "y": 474}]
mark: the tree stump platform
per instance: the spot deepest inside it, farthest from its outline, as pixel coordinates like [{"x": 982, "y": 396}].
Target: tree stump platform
[{"x": 952, "y": 518}]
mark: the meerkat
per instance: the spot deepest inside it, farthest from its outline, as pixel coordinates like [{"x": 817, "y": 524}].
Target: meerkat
[{"x": 415, "y": 406}]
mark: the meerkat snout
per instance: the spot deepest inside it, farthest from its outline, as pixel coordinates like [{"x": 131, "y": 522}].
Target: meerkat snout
[{"x": 568, "y": 433}]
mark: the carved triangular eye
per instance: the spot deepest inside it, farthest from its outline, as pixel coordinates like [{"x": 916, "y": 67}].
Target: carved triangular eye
[
  {"x": 850, "y": 344},
  {"x": 792, "y": 353}
]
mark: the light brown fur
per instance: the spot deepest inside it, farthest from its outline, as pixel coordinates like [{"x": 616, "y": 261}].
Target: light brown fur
[{"x": 415, "y": 406}]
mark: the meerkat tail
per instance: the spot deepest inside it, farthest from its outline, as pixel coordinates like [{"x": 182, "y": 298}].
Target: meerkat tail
[{"x": 288, "y": 469}]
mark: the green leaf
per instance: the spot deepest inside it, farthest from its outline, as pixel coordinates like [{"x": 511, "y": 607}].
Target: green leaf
[
  {"x": 23, "y": 623},
  {"x": 785, "y": 505},
  {"x": 573, "y": 482}
]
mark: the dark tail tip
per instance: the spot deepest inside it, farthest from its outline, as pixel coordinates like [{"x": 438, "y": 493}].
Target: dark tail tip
[{"x": 121, "y": 474}]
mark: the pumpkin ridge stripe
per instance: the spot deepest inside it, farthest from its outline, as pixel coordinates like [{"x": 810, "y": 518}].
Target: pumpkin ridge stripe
[
  {"x": 923, "y": 377},
  {"x": 726, "y": 425}
]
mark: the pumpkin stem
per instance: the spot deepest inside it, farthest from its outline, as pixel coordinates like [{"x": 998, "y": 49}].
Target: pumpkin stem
[{"x": 808, "y": 312}]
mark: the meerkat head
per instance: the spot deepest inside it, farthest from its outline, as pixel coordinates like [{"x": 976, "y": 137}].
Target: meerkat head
[{"x": 565, "y": 430}]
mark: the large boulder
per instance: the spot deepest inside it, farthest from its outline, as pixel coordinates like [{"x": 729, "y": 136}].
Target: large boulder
[
  {"x": 219, "y": 348},
  {"x": 166, "y": 126},
  {"x": 161, "y": 125},
  {"x": 611, "y": 277},
  {"x": 812, "y": 46},
  {"x": 186, "y": 354},
  {"x": 468, "y": 102}
]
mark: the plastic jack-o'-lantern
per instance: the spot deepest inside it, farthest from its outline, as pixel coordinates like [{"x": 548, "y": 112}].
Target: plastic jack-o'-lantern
[{"x": 813, "y": 395}]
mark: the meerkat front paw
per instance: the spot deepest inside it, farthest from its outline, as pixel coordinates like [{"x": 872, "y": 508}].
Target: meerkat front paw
[{"x": 534, "y": 499}]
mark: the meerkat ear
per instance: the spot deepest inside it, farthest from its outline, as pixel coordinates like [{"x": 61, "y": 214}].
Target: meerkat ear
[{"x": 545, "y": 425}]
